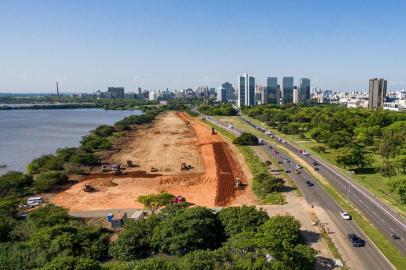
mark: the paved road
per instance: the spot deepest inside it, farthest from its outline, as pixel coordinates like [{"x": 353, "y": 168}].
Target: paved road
[
  {"x": 370, "y": 256},
  {"x": 382, "y": 216}
]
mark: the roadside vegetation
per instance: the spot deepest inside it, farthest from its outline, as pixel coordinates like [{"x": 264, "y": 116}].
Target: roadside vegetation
[
  {"x": 371, "y": 144},
  {"x": 266, "y": 186},
  {"x": 223, "y": 109}
]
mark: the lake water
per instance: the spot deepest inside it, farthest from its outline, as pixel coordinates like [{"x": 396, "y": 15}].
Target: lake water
[{"x": 27, "y": 134}]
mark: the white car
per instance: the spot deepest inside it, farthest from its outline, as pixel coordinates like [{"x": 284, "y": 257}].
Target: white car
[{"x": 345, "y": 215}]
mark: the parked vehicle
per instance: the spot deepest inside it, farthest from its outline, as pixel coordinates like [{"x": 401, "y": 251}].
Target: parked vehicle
[
  {"x": 34, "y": 201},
  {"x": 356, "y": 240},
  {"x": 345, "y": 215}
]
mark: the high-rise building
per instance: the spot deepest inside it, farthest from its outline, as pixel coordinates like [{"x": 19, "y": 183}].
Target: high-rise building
[
  {"x": 377, "y": 93},
  {"x": 287, "y": 90},
  {"x": 230, "y": 92},
  {"x": 246, "y": 91},
  {"x": 225, "y": 92},
  {"x": 296, "y": 98},
  {"x": 263, "y": 90},
  {"x": 273, "y": 90},
  {"x": 115, "y": 92},
  {"x": 221, "y": 94},
  {"x": 304, "y": 90}
]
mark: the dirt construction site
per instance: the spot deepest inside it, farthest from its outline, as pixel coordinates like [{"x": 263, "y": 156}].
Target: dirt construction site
[{"x": 176, "y": 154}]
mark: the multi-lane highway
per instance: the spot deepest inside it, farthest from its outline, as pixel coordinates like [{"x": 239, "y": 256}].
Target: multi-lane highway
[
  {"x": 369, "y": 255},
  {"x": 382, "y": 216}
]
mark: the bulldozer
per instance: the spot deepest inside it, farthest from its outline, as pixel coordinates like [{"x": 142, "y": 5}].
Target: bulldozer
[
  {"x": 153, "y": 169},
  {"x": 88, "y": 188},
  {"x": 213, "y": 131}
]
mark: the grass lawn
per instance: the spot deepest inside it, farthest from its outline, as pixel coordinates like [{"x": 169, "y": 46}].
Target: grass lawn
[{"x": 373, "y": 181}]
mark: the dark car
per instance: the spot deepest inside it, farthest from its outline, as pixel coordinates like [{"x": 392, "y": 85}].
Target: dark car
[
  {"x": 356, "y": 241},
  {"x": 316, "y": 168},
  {"x": 288, "y": 171},
  {"x": 280, "y": 162},
  {"x": 309, "y": 183}
]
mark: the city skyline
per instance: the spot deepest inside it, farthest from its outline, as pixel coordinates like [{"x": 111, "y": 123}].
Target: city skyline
[{"x": 87, "y": 46}]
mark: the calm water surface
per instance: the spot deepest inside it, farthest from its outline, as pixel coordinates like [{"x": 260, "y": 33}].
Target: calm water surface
[{"x": 27, "y": 134}]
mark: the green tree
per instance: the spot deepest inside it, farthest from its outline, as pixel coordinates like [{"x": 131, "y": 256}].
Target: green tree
[
  {"x": 46, "y": 181},
  {"x": 133, "y": 241},
  {"x": 400, "y": 162},
  {"x": 187, "y": 230},
  {"x": 280, "y": 233},
  {"x": 353, "y": 156},
  {"x": 387, "y": 169},
  {"x": 200, "y": 260},
  {"x": 49, "y": 215},
  {"x": 398, "y": 186},
  {"x": 239, "y": 219},
  {"x": 153, "y": 202},
  {"x": 156, "y": 264},
  {"x": 12, "y": 183},
  {"x": 246, "y": 139}
]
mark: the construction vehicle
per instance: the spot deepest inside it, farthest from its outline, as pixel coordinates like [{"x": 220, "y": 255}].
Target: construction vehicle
[
  {"x": 115, "y": 167},
  {"x": 153, "y": 169},
  {"x": 130, "y": 164},
  {"x": 178, "y": 200},
  {"x": 88, "y": 188},
  {"x": 238, "y": 184},
  {"x": 105, "y": 168},
  {"x": 183, "y": 167},
  {"x": 213, "y": 131}
]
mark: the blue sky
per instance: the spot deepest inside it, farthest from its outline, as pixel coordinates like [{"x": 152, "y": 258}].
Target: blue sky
[{"x": 90, "y": 45}]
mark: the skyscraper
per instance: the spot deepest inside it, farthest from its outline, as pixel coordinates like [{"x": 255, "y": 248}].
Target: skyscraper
[
  {"x": 222, "y": 93},
  {"x": 304, "y": 90},
  {"x": 287, "y": 90},
  {"x": 296, "y": 97},
  {"x": 273, "y": 89},
  {"x": 246, "y": 91},
  {"x": 377, "y": 93},
  {"x": 230, "y": 92}
]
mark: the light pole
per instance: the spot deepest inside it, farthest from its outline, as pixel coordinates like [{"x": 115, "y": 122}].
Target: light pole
[{"x": 348, "y": 194}]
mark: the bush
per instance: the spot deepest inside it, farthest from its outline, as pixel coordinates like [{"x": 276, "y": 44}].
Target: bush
[
  {"x": 104, "y": 131},
  {"x": 246, "y": 139},
  {"x": 47, "y": 181},
  {"x": 71, "y": 263}
]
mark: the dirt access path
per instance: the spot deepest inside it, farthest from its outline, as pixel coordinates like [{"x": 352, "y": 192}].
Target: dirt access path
[{"x": 172, "y": 139}]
